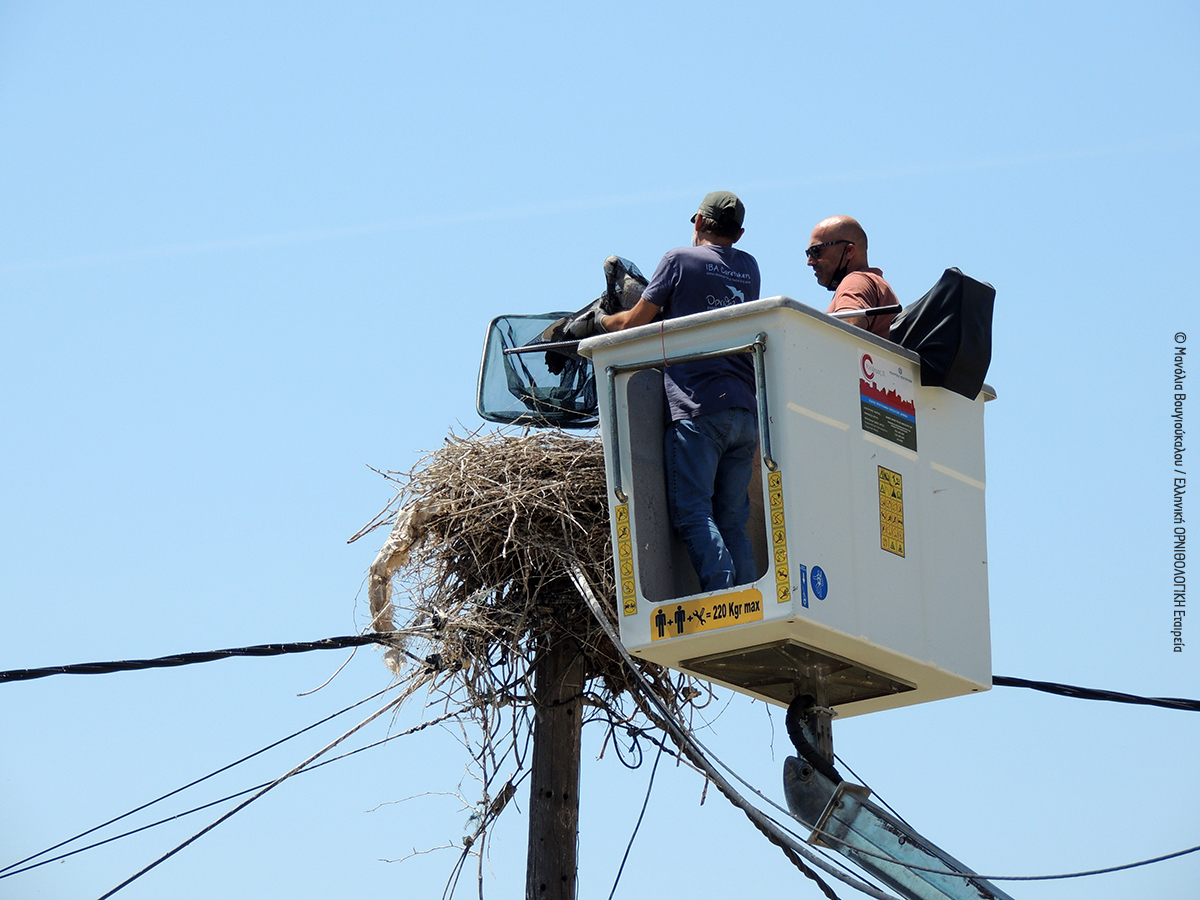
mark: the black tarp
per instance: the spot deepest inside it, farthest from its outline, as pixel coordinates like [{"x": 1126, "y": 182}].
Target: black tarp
[{"x": 950, "y": 328}]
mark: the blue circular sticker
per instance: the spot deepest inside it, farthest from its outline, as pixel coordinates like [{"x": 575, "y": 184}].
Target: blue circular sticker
[{"x": 820, "y": 584}]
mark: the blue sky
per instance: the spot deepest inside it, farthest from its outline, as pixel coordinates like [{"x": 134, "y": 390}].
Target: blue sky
[{"x": 248, "y": 251}]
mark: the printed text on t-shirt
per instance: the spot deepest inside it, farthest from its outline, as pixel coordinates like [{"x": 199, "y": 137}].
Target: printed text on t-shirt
[{"x": 724, "y": 271}]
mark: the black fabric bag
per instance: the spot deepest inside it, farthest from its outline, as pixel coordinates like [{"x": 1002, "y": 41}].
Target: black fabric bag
[{"x": 950, "y": 328}]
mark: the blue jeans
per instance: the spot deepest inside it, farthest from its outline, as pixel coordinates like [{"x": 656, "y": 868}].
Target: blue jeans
[{"x": 709, "y": 461}]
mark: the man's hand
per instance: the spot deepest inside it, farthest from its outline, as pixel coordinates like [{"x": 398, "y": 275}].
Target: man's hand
[{"x": 642, "y": 313}]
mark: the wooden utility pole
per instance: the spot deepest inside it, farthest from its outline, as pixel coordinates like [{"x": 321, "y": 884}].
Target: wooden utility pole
[{"x": 554, "y": 776}]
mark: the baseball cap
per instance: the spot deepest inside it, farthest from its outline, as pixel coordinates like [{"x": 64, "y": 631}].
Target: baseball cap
[{"x": 724, "y": 208}]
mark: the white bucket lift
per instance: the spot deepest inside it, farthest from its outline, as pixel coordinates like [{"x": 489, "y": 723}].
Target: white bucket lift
[{"x": 867, "y": 516}]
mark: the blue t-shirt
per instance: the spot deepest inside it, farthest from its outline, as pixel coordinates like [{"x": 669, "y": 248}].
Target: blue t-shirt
[{"x": 696, "y": 279}]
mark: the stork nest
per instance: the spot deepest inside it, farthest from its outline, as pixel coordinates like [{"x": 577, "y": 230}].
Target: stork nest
[
  {"x": 484, "y": 533},
  {"x": 475, "y": 572}
]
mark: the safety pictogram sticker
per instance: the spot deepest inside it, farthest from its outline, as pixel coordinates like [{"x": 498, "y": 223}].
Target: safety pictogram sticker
[
  {"x": 625, "y": 561},
  {"x": 820, "y": 583},
  {"x": 891, "y": 511},
  {"x": 706, "y": 614},
  {"x": 783, "y": 587}
]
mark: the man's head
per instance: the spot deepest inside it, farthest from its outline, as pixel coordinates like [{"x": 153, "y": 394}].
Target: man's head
[
  {"x": 719, "y": 219},
  {"x": 837, "y": 246}
]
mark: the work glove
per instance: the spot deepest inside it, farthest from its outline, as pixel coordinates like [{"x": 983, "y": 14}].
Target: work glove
[{"x": 584, "y": 325}]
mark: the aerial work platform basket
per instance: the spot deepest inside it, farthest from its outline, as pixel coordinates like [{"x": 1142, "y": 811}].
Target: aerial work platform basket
[{"x": 867, "y": 516}]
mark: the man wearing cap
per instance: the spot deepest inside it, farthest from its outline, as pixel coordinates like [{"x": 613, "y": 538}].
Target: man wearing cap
[
  {"x": 837, "y": 251},
  {"x": 711, "y": 441}
]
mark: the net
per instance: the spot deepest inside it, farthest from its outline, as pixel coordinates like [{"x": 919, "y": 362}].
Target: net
[{"x": 541, "y": 388}]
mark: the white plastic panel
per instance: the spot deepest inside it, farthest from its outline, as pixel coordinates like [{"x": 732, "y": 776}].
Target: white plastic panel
[{"x": 914, "y": 614}]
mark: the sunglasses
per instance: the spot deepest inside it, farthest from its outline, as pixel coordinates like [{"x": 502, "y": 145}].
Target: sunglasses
[{"x": 814, "y": 252}]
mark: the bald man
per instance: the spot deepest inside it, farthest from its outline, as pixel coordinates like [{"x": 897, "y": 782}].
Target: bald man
[{"x": 837, "y": 251}]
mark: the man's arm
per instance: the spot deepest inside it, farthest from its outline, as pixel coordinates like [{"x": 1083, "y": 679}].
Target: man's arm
[
  {"x": 853, "y": 293},
  {"x": 857, "y": 321},
  {"x": 643, "y": 313}
]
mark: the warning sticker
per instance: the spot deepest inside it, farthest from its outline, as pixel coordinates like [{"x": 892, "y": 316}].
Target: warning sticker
[
  {"x": 706, "y": 614},
  {"x": 891, "y": 511},
  {"x": 887, "y": 393},
  {"x": 783, "y": 587},
  {"x": 625, "y": 561}
]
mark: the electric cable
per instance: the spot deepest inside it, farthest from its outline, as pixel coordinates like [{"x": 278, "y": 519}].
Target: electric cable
[
  {"x": 635, "y": 749},
  {"x": 187, "y": 659},
  {"x": 1056, "y": 877},
  {"x": 589, "y": 597},
  {"x": 387, "y": 707},
  {"x": 1081, "y": 693},
  {"x": 1104, "y": 871},
  {"x": 874, "y": 793},
  {"x": 435, "y": 721},
  {"x": 830, "y": 837},
  {"x": 191, "y": 784},
  {"x": 826, "y": 836},
  {"x": 130, "y": 833},
  {"x": 792, "y": 848},
  {"x": 835, "y": 861},
  {"x": 390, "y": 637},
  {"x": 638, "y": 824}
]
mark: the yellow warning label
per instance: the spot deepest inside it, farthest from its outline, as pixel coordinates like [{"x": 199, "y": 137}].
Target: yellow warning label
[
  {"x": 783, "y": 586},
  {"x": 625, "y": 561},
  {"x": 891, "y": 511},
  {"x": 706, "y": 614}
]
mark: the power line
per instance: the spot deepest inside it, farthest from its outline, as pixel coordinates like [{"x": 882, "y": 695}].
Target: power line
[
  {"x": 692, "y": 742},
  {"x": 826, "y": 836},
  {"x": 390, "y": 638},
  {"x": 5, "y": 871},
  {"x": 1081, "y": 693},
  {"x": 1055, "y": 877},
  {"x": 793, "y": 849},
  {"x": 390, "y": 705},
  {"x": 638, "y": 824},
  {"x": 123, "y": 834},
  {"x": 187, "y": 659},
  {"x": 1105, "y": 871}
]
